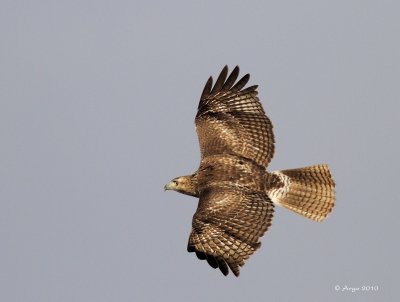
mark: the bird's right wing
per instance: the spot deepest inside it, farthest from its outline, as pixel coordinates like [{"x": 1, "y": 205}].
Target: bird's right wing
[{"x": 227, "y": 226}]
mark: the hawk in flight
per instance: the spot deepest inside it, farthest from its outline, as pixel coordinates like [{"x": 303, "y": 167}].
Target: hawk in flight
[{"x": 236, "y": 194}]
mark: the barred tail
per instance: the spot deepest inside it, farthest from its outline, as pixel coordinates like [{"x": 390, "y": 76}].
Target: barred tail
[{"x": 308, "y": 191}]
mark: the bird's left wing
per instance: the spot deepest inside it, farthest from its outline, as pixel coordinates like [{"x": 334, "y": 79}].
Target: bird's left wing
[
  {"x": 227, "y": 226},
  {"x": 231, "y": 120}
]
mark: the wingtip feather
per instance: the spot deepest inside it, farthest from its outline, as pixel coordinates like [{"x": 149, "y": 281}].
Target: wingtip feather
[
  {"x": 220, "y": 80},
  {"x": 207, "y": 88},
  {"x": 242, "y": 82},
  {"x": 231, "y": 79}
]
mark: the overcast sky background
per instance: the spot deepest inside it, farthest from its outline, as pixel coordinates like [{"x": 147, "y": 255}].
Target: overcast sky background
[{"x": 97, "y": 103}]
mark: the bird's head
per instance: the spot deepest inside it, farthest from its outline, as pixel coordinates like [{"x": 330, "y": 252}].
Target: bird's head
[{"x": 183, "y": 184}]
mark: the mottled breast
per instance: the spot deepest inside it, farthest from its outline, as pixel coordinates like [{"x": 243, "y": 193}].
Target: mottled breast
[{"x": 231, "y": 170}]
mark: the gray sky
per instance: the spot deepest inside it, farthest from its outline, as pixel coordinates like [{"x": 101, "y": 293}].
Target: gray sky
[{"x": 97, "y": 102}]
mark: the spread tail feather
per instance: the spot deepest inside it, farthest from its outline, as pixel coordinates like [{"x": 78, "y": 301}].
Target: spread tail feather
[{"x": 308, "y": 191}]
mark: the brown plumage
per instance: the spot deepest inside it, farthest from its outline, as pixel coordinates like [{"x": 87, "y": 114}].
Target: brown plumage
[{"x": 236, "y": 193}]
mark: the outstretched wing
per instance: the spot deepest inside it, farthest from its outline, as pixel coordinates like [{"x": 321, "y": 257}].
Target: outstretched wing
[
  {"x": 231, "y": 120},
  {"x": 227, "y": 226}
]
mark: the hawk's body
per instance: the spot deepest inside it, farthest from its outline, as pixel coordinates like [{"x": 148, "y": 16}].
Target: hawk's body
[{"x": 237, "y": 194}]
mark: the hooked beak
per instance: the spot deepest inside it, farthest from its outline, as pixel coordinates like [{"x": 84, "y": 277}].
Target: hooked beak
[
  {"x": 171, "y": 185},
  {"x": 167, "y": 186}
]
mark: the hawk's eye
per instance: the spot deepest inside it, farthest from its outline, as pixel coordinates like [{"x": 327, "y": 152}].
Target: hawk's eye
[{"x": 175, "y": 182}]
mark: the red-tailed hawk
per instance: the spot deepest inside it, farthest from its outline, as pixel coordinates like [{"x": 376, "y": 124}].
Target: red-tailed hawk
[{"x": 236, "y": 193}]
